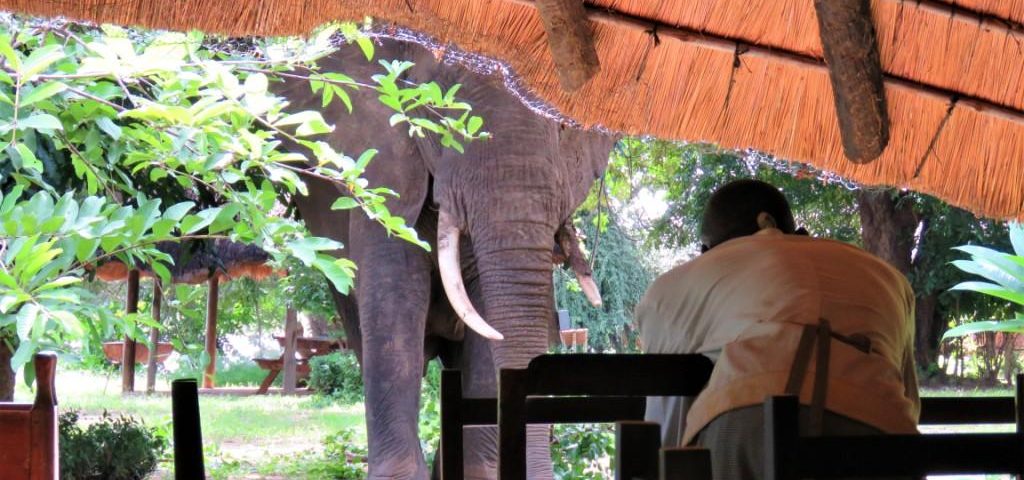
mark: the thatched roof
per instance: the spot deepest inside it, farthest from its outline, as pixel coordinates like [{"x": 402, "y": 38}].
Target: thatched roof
[
  {"x": 196, "y": 262},
  {"x": 741, "y": 73}
]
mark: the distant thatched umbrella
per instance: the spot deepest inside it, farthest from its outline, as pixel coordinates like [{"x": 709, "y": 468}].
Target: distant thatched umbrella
[{"x": 194, "y": 263}]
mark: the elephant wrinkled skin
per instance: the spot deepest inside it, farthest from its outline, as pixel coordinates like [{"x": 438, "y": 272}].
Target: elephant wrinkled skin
[{"x": 507, "y": 195}]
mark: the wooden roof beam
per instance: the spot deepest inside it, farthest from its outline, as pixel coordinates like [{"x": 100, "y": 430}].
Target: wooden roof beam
[
  {"x": 570, "y": 40},
  {"x": 851, "y": 52}
]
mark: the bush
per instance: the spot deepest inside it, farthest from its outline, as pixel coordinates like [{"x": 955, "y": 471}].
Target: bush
[
  {"x": 346, "y": 457},
  {"x": 336, "y": 376},
  {"x": 583, "y": 451},
  {"x": 113, "y": 448}
]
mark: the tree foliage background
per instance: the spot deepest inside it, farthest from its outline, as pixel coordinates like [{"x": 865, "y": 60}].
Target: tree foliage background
[{"x": 114, "y": 140}]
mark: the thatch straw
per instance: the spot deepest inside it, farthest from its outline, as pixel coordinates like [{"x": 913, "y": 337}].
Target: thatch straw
[
  {"x": 196, "y": 263},
  {"x": 743, "y": 73}
]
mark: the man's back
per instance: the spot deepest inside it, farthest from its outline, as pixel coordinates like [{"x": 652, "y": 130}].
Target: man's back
[{"x": 744, "y": 304}]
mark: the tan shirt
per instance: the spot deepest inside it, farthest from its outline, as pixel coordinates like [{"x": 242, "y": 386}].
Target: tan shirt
[{"x": 744, "y": 304}]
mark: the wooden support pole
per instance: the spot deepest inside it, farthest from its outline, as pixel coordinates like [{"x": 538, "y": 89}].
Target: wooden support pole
[
  {"x": 154, "y": 338},
  {"x": 211, "y": 333},
  {"x": 131, "y": 305},
  {"x": 291, "y": 323},
  {"x": 570, "y": 40},
  {"x": 851, "y": 52}
]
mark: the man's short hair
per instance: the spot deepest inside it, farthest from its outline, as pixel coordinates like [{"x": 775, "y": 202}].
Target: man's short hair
[{"x": 732, "y": 211}]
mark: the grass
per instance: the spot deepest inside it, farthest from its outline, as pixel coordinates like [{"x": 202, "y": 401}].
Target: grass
[{"x": 245, "y": 437}]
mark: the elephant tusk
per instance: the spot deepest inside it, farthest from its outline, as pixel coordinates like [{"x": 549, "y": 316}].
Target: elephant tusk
[
  {"x": 590, "y": 289},
  {"x": 570, "y": 245},
  {"x": 451, "y": 277}
]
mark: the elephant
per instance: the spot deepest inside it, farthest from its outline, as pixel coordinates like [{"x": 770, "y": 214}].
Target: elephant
[{"x": 497, "y": 216}]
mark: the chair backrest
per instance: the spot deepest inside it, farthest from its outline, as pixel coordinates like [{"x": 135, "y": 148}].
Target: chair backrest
[
  {"x": 790, "y": 456},
  {"x": 594, "y": 388},
  {"x": 28, "y": 432},
  {"x": 576, "y": 388}
]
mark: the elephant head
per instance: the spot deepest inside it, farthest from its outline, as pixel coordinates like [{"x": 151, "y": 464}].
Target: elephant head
[{"x": 498, "y": 214}]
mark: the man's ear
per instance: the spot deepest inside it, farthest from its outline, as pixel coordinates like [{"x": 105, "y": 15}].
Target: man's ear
[{"x": 802, "y": 231}]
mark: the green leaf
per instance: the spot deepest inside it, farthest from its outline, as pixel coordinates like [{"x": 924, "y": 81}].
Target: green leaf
[
  {"x": 474, "y": 124},
  {"x": 344, "y": 203},
  {"x": 23, "y": 354},
  {"x": 991, "y": 289},
  {"x": 42, "y": 92},
  {"x": 40, "y": 59},
  {"x": 338, "y": 273},
  {"x": 177, "y": 211},
  {"x": 28, "y": 158},
  {"x": 109, "y": 127},
  {"x": 58, "y": 283},
  {"x": 1008, "y": 326},
  {"x": 13, "y": 58},
  {"x": 193, "y": 223},
  {"x": 41, "y": 121},
  {"x": 1017, "y": 238}
]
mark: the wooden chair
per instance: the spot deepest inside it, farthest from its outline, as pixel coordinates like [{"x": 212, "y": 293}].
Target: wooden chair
[
  {"x": 790, "y": 456},
  {"x": 590, "y": 389},
  {"x": 28, "y": 432},
  {"x": 585, "y": 388}
]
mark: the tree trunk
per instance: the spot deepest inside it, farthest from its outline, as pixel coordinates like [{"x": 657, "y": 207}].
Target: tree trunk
[
  {"x": 7, "y": 377},
  {"x": 887, "y": 226},
  {"x": 929, "y": 329}
]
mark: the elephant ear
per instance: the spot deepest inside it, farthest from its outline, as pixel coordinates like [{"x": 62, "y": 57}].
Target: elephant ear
[
  {"x": 584, "y": 154},
  {"x": 397, "y": 163}
]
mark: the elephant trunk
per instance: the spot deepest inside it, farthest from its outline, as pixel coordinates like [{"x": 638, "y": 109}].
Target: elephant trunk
[
  {"x": 517, "y": 292},
  {"x": 570, "y": 246},
  {"x": 451, "y": 276},
  {"x": 516, "y": 287}
]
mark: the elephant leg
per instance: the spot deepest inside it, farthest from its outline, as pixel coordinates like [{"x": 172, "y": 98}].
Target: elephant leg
[{"x": 393, "y": 294}]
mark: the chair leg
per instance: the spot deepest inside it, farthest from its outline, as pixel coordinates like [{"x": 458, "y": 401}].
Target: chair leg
[
  {"x": 684, "y": 463},
  {"x": 451, "y": 425},
  {"x": 636, "y": 450},
  {"x": 781, "y": 434},
  {"x": 512, "y": 424}
]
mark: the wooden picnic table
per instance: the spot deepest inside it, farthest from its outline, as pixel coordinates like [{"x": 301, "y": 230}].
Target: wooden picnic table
[{"x": 305, "y": 348}]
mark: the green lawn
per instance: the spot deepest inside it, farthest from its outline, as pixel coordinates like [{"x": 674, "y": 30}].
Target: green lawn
[{"x": 245, "y": 437}]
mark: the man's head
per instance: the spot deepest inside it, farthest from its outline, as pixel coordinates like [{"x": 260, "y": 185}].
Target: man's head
[{"x": 741, "y": 208}]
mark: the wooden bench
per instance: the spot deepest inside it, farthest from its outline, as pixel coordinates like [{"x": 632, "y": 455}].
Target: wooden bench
[
  {"x": 274, "y": 367},
  {"x": 28, "y": 432},
  {"x": 790, "y": 456}
]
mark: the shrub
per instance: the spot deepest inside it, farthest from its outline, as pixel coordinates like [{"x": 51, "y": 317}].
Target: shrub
[
  {"x": 346, "y": 457},
  {"x": 113, "y": 448},
  {"x": 336, "y": 376},
  {"x": 583, "y": 451}
]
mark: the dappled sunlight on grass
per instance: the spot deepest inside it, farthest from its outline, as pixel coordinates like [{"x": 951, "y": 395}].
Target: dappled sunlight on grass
[{"x": 243, "y": 435}]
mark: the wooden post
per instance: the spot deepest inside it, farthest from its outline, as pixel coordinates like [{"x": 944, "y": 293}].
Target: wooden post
[
  {"x": 570, "y": 41},
  {"x": 188, "y": 430},
  {"x": 131, "y": 305},
  {"x": 211, "y": 332},
  {"x": 851, "y": 52},
  {"x": 154, "y": 337},
  {"x": 290, "y": 332}
]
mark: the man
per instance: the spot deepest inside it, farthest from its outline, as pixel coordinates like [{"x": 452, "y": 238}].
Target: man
[{"x": 762, "y": 301}]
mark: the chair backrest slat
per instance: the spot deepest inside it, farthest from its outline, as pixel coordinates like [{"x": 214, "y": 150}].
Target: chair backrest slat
[
  {"x": 789, "y": 456},
  {"x": 967, "y": 410},
  {"x": 617, "y": 374}
]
